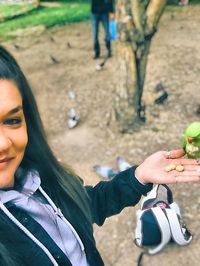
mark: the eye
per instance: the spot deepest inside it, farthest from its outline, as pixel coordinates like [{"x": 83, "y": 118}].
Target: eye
[{"x": 13, "y": 121}]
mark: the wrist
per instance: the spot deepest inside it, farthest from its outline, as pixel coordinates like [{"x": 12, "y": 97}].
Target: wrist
[
  {"x": 141, "y": 186},
  {"x": 139, "y": 176}
]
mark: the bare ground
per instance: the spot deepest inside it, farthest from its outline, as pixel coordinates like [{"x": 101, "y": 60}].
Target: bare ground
[{"x": 174, "y": 59}]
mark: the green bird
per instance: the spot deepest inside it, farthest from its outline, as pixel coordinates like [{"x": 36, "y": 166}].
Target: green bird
[{"x": 191, "y": 140}]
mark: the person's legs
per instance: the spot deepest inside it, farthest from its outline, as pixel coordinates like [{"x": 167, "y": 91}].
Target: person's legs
[
  {"x": 95, "y": 28},
  {"x": 105, "y": 22}
]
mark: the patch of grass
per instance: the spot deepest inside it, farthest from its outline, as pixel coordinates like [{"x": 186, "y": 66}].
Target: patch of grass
[
  {"x": 12, "y": 10},
  {"x": 49, "y": 16},
  {"x": 67, "y": 1}
]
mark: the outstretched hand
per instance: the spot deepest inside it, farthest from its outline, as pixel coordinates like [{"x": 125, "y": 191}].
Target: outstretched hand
[{"x": 152, "y": 170}]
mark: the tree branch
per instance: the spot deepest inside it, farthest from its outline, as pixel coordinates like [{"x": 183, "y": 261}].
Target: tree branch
[
  {"x": 138, "y": 13},
  {"x": 153, "y": 14}
]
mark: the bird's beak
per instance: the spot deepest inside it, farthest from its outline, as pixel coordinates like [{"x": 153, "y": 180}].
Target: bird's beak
[{"x": 190, "y": 140}]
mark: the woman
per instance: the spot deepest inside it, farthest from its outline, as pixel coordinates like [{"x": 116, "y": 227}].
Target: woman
[{"x": 46, "y": 212}]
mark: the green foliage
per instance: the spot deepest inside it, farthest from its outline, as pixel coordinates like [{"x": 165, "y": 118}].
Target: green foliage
[
  {"x": 8, "y": 11},
  {"x": 194, "y": 1},
  {"x": 67, "y": 1},
  {"x": 49, "y": 16},
  {"x": 172, "y": 2}
]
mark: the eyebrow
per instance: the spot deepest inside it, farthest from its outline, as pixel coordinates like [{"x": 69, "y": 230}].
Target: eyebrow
[{"x": 15, "y": 110}]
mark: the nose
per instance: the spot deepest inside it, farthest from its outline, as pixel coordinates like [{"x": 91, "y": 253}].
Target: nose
[{"x": 5, "y": 142}]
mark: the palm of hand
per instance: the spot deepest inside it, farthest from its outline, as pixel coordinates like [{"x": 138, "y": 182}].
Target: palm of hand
[
  {"x": 153, "y": 169},
  {"x": 155, "y": 166}
]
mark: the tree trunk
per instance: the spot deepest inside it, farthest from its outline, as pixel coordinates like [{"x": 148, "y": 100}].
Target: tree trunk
[
  {"x": 137, "y": 21},
  {"x": 37, "y": 3}
]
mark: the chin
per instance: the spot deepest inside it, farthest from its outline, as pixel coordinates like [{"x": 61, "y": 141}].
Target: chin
[{"x": 6, "y": 179}]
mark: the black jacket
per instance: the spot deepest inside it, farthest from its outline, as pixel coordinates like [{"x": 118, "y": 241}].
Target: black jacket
[
  {"x": 107, "y": 198},
  {"x": 102, "y": 6}
]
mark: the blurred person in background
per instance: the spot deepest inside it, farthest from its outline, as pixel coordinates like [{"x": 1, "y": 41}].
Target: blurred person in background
[{"x": 101, "y": 11}]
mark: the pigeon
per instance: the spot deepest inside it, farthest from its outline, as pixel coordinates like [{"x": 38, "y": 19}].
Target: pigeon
[
  {"x": 98, "y": 67},
  {"x": 73, "y": 118},
  {"x": 161, "y": 99},
  {"x": 101, "y": 65},
  {"x": 71, "y": 95},
  {"x": 54, "y": 60},
  {"x": 69, "y": 45},
  {"x": 16, "y": 46},
  {"x": 123, "y": 164},
  {"x": 72, "y": 122},
  {"x": 52, "y": 39},
  {"x": 105, "y": 172},
  {"x": 159, "y": 86},
  {"x": 72, "y": 113}
]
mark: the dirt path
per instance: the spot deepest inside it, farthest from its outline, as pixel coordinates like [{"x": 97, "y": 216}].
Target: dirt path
[{"x": 174, "y": 59}]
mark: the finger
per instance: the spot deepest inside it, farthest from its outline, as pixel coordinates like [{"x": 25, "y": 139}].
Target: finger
[
  {"x": 175, "y": 154},
  {"x": 192, "y": 168},
  {"x": 179, "y": 177},
  {"x": 185, "y": 173},
  {"x": 185, "y": 161},
  {"x": 186, "y": 178}
]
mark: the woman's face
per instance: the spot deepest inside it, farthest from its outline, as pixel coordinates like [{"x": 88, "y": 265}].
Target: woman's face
[{"x": 13, "y": 133}]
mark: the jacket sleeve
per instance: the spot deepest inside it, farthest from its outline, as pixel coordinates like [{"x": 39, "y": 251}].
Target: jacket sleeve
[{"x": 110, "y": 197}]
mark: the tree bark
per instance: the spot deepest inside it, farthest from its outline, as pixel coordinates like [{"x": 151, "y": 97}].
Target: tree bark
[
  {"x": 137, "y": 21},
  {"x": 37, "y": 3}
]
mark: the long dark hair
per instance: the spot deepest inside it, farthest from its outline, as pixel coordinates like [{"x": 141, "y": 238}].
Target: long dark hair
[{"x": 56, "y": 179}]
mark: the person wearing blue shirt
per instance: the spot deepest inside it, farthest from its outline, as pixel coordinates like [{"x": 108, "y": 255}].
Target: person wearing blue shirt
[{"x": 100, "y": 10}]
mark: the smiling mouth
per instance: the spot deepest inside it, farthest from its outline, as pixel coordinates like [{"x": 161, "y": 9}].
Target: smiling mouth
[
  {"x": 4, "y": 163},
  {"x": 6, "y": 160}
]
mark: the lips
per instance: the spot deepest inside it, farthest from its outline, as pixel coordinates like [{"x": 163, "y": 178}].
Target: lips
[{"x": 6, "y": 160}]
